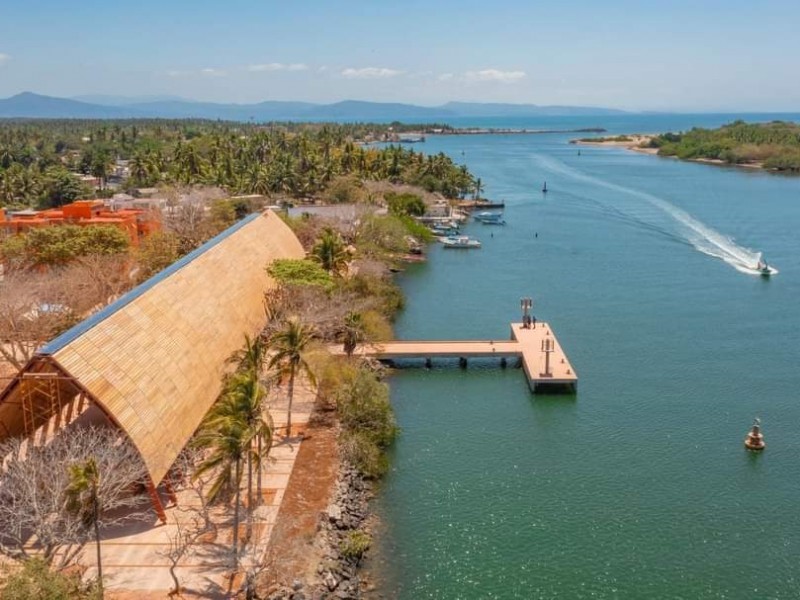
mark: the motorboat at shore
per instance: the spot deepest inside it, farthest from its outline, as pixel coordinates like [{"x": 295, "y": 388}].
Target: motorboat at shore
[{"x": 460, "y": 241}]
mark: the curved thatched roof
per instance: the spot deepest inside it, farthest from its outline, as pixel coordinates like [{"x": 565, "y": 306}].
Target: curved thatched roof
[{"x": 153, "y": 360}]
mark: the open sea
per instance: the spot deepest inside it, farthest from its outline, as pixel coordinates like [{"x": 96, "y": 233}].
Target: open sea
[{"x": 639, "y": 485}]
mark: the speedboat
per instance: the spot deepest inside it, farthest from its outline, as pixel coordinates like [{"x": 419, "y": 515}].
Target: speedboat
[
  {"x": 460, "y": 241},
  {"x": 763, "y": 268}
]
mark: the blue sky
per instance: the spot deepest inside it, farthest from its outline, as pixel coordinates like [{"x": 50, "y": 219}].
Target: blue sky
[{"x": 674, "y": 55}]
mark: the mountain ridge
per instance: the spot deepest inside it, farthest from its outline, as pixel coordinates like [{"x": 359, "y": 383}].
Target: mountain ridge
[{"x": 32, "y": 105}]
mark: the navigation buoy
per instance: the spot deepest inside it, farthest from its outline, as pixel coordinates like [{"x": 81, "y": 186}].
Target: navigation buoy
[{"x": 755, "y": 439}]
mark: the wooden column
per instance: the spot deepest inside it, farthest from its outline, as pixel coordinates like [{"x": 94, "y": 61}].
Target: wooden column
[{"x": 157, "y": 506}]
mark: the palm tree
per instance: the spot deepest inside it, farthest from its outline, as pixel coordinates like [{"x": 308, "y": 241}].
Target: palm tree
[
  {"x": 244, "y": 400},
  {"x": 478, "y": 188},
  {"x": 329, "y": 251},
  {"x": 83, "y": 500},
  {"x": 289, "y": 344},
  {"x": 353, "y": 332},
  {"x": 251, "y": 357},
  {"x": 226, "y": 437},
  {"x": 245, "y": 393}
]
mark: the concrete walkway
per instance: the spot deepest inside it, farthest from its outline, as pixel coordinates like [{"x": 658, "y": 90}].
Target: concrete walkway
[{"x": 135, "y": 558}]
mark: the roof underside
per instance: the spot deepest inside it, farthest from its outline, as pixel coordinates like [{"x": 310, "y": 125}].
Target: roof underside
[{"x": 154, "y": 360}]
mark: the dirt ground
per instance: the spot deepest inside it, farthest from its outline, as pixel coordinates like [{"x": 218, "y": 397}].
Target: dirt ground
[{"x": 291, "y": 553}]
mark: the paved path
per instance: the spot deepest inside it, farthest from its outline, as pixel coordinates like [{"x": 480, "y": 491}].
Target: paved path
[{"x": 134, "y": 557}]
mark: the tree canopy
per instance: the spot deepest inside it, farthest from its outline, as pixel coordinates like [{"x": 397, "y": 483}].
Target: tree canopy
[
  {"x": 38, "y": 159},
  {"x": 776, "y": 145},
  {"x": 63, "y": 244}
]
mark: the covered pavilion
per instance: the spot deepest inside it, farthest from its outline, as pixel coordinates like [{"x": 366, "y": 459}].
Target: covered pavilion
[{"x": 151, "y": 364}]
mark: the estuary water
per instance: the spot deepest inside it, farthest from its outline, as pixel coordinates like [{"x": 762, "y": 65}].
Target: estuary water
[{"x": 638, "y": 486}]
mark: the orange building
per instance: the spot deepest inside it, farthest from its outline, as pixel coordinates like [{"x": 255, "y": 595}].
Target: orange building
[{"x": 134, "y": 222}]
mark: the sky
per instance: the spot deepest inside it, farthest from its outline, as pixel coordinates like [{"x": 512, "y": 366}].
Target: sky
[{"x": 674, "y": 55}]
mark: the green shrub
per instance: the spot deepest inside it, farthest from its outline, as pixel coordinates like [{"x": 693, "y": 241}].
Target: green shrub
[
  {"x": 291, "y": 271},
  {"x": 405, "y": 204},
  {"x": 386, "y": 291},
  {"x": 363, "y": 454},
  {"x": 368, "y": 423},
  {"x": 37, "y": 581},
  {"x": 355, "y": 544},
  {"x": 417, "y": 230},
  {"x": 61, "y": 244},
  {"x": 345, "y": 190}
]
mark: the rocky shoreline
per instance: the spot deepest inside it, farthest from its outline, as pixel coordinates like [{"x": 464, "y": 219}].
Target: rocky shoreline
[{"x": 343, "y": 537}]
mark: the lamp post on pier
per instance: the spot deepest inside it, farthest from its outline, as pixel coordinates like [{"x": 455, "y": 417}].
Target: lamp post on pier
[
  {"x": 526, "y": 304},
  {"x": 548, "y": 347}
]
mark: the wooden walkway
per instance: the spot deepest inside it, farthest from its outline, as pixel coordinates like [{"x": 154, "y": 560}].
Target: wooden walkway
[{"x": 525, "y": 344}]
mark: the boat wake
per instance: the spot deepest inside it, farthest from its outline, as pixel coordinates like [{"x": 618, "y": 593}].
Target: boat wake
[{"x": 663, "y": 217}]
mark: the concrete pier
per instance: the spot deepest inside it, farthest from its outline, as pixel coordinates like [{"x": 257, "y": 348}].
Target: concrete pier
[{"x": 544, "y": 361}]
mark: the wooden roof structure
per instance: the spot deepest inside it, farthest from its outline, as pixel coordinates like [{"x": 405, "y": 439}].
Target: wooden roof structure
[{"x": 153, "y": 361}]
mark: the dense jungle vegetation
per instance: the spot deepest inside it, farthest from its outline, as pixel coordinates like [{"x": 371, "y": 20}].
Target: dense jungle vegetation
[
  {"x": 40, "y": 160},
  {"x": 774, "y": 145}
]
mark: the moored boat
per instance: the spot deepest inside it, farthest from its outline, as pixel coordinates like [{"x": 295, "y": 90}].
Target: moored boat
[
  {"x": 460, "y": 241},
  {"x": 490, "y": 218}
]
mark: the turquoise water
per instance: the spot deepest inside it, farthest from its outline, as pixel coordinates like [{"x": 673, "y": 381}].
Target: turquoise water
[{"x": 638, "y": 486}]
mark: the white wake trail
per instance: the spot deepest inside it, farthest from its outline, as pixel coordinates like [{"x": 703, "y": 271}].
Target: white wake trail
[{"x": 702, "y": 237}]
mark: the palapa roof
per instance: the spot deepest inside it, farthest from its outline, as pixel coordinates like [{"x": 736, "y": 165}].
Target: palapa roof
[{"x": 153, "y": 361}]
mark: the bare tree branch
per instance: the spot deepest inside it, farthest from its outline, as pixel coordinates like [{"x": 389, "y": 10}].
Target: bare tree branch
[{"x": 34, "y": 480}]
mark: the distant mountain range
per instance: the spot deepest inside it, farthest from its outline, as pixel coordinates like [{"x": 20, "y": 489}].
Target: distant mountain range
[{"x": 30, "y": 105}]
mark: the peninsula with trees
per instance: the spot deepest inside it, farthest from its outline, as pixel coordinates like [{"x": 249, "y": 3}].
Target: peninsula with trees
[{"x": 773, "y": 146}]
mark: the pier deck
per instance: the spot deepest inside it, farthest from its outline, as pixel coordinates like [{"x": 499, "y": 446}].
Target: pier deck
[{"x": 525, "y": 344}]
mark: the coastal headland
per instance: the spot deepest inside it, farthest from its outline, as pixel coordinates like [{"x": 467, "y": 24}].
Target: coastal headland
[
  {"x": 639, "y": 143},
  {"x": 773, "y": 146}
]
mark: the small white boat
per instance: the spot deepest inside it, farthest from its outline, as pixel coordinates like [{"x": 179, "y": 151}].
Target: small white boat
[
  {"x": 460, "y": 241},
  {"x": 764, "y": 269},
  {"x": 490, "y": 218}
]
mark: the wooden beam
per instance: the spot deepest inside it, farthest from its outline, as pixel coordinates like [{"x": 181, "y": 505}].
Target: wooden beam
[{"x": 156, "y": 500}]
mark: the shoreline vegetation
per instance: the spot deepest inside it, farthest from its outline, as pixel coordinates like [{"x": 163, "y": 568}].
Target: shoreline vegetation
[
  {"x": 773, "y": 146},
  {"x": 342, "y": 293}
]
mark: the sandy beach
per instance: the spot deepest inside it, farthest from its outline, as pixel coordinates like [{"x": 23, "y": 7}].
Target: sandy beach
[{"x": 635, "y": 142}]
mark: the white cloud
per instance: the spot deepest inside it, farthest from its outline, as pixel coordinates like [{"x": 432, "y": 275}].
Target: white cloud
[
  {"x": 176, "y": 73},
  {"x": 494, "y": 75},
  {"x": 212, "y": 72},
  {"x": 446, "y": 77},
  {"x": 4, "y": 58},
  {"x": 370, "y": 73},
  {"x": 277, "y": 67}
]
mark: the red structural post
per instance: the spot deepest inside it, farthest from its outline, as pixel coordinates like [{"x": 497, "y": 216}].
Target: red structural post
[{"x": 157, "y": 506}]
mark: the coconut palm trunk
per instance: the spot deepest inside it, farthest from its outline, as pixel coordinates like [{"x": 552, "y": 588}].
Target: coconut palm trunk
[
  {"x": 259, "y": 443},
  {"x": 96, "y": 519},
  {"x": 291, "y": 398},
  {"x": 237, "y": 483},
  {"x": 249, "y": 489}
]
